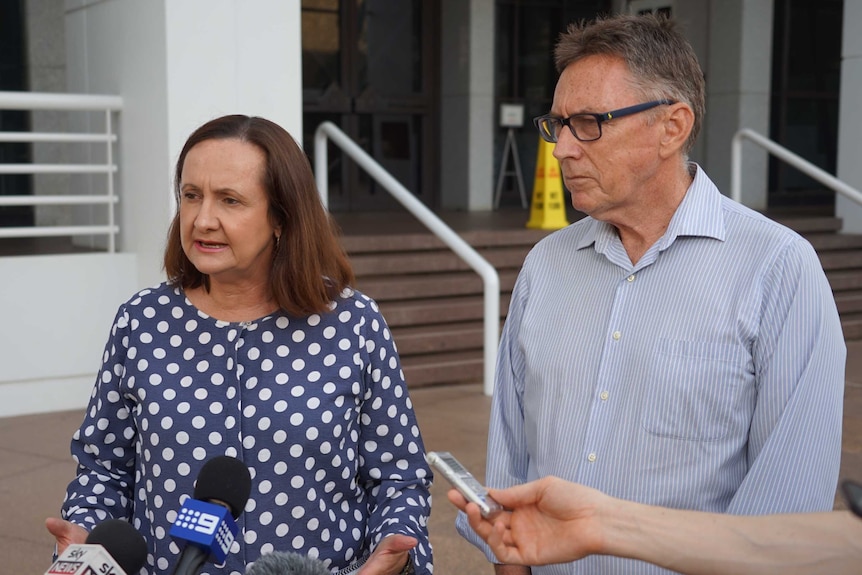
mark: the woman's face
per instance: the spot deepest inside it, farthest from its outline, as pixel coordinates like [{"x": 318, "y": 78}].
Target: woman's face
[{"x": 225, "y": 227}]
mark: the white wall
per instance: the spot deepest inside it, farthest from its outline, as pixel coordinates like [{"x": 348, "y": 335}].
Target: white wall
[
  {"x": 468, "y": 118},
  {"x": 118, "y": 47},
  {"x": 232, "y": 57},
  {"x": 850, "y": 116},
  {"x": 738, "y": 74},
  {"x": 176, "y": 64},
  {"x": 57, "y": 312}
]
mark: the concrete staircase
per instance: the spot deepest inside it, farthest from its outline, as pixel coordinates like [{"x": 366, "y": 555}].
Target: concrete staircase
[
  {"x": 433, "y": 301},
  {"x": 841, "y": 257}
]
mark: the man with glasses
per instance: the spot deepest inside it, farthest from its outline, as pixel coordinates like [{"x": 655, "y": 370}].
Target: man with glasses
[{"x": 673, "y": 348}]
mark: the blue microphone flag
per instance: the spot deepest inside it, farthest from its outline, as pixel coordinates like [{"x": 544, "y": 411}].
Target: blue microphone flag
[{"x": 206, "y": 525}]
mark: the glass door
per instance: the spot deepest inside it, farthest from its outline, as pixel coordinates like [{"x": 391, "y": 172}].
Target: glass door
[{"x": 367, "y": 67}]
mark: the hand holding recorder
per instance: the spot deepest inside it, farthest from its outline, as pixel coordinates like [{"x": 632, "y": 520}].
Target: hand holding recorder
[
  {"x": 464, "y": 482},
  {"x": 554, "y": 521}
]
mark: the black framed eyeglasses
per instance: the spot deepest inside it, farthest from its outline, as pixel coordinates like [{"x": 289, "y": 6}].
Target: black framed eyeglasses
[{"x": 587, "y": 127}]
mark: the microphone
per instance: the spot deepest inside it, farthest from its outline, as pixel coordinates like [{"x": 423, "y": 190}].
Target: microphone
[
  {"x": 205, "y": 523},
  {"x": 113, "y": 547},
  {"x": 281, "y": 563}
]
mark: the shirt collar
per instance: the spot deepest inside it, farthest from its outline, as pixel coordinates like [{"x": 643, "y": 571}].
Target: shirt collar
[{"x": 699, "y": 214}]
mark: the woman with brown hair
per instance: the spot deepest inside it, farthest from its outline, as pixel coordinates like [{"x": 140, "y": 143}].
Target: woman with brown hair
[{"x": 255, "y": 347}]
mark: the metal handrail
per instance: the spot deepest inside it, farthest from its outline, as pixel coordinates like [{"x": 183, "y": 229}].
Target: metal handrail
[
  {"x": 782, "y": 153},
  {"x": 57, "y": 101},
  {"x": 455, "y": 242},
  {"x": 64, "y": 102}
]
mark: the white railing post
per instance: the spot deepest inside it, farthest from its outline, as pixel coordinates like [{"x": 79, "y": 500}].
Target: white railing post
[
  {"x": 112, "y": 240},
  {"x": 785, "y": 155},
  {"x": 736, "y": 168},
  {"x": 321, "y": 166},
  {"x": 63, "y": 102},
  {"x": 456, "y": 243}
]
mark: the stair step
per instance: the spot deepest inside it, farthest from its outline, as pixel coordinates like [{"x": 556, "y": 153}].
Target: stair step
[
  {"x": 849, "y": 302},
  {"x": 391, "y": 243},
  {"x": 358, "y": 244},
  {"x": 388, "y": 288},
  {"x": 489, "y": 238},
  {"x": 433, "y": 261},
  {"x": 826, "y": 242},
  {"x": 443, "y": 368},
  {"x": 843, "y": 280},
  {"x": 841, "y": 259},
  {"x": 422, "y": 339},
  {"x": 851, "y": 323},
  {"x": 435, "y": 311},
  {"x": 806, "y": 225}
]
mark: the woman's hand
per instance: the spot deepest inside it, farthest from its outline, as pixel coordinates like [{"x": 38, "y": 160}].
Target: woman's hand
[
  {"x": 66, "y": 533},
  {"x": 390, "y": 556}
]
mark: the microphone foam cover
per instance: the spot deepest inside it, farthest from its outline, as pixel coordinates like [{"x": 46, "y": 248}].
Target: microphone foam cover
[
  {"x": 225, "y": 479},
  {"x": 122, "y": 542},
  {"x": 281, "y": 563}
]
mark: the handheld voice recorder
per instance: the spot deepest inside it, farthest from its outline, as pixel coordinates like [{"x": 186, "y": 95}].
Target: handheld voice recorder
[{"x": 464, "y": 482}]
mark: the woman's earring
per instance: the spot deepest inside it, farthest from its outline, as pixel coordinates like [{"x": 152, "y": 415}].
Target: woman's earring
[{"x": 277, "y": 239}]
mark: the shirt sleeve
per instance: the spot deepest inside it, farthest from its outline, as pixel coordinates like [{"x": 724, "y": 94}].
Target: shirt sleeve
[
  {"x": 794, "y": 444},
  {"x": 507, "y": 453},
  {"x": 393, "y": 469},
  {"x": 103, "y": 447}
]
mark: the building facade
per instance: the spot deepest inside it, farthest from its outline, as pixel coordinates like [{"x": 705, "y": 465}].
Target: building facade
[{"x": 420, "y": 84}]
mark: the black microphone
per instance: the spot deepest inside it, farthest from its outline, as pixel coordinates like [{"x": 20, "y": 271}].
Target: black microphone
[
  {"x": 282, "y": 563},
  {"x": 113, "y": 547},
  {"x": 205, "y": 523}
]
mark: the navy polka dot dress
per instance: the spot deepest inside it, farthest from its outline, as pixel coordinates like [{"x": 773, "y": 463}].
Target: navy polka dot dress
[{"x": 316, "y": 407}]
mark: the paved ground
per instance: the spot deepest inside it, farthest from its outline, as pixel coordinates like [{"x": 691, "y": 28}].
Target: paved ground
[{"x": 35, "y": 467}]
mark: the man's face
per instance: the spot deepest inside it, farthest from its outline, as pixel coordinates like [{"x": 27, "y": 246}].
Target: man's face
[{"x": 609, "y": 178}]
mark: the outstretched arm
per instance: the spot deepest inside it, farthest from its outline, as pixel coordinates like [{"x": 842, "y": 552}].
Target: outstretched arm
[{"x": 554, "y": 521}]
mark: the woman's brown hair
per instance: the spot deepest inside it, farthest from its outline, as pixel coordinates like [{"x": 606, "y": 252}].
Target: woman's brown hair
[{"x": 309, "y": 266}]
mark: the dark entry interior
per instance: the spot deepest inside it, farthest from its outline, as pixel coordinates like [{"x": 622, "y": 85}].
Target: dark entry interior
[
  {"x": 527, "y": 31},
  {"x": 13, "y": 77},
  {"x": 806, "y": 72},
  {"x": 368, "y": 67}
]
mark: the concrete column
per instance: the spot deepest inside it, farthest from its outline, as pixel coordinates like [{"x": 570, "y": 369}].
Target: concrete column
[
  {"x": 46, "y": 68},
  {"x": 177, "y": 65},
  {"x": 738, "y": 74},
  {"x": 467, "y": 105},
  {"x": 850, "y": 116}
]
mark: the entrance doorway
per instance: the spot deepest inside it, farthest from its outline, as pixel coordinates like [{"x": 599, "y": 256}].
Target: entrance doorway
[
  {"x": 368, "y": 67},
  {"x": 526, "y": 33},
  {"x": 806, "y": 73}
]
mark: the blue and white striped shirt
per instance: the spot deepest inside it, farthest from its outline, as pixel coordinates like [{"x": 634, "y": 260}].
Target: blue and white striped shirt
[{"x": 709, "y": 375}]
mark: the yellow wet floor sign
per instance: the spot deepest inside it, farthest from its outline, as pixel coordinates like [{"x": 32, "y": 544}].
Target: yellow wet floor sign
[{"x": 547, "y": 210}]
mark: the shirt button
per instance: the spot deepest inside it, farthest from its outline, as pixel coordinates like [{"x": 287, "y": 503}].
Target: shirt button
[
  {"x": 617, "y": 335},
  {"x": 631, "y": 278},
  {"x": 591, "y": 457},
  {"x": 604, "y": 395}
]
